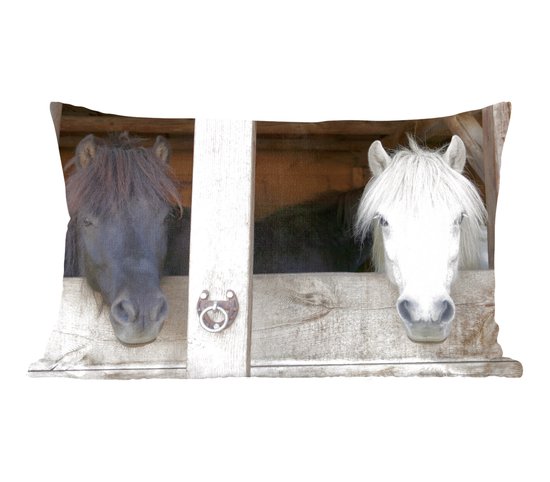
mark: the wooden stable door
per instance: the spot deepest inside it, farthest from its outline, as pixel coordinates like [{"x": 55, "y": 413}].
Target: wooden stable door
[{"x": 323, "y": 324}]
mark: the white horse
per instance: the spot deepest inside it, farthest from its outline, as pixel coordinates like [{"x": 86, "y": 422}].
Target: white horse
[{"x": 427, "y": 222}]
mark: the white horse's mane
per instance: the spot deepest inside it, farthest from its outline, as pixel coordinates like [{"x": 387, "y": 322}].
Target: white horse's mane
[{"x": 418, "y": 178}]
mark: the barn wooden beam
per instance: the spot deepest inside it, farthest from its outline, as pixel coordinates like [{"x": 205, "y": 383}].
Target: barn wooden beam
[
  {"x": 304, "y": 143},
  {"x": 328, "y": 324},
  {"x": 113, "y": 123},
  {"x": 328, "y": 142},
  {"x": 495, "y": 125},
  {"x": 398, "y": 137},
  {"x": 56, "y": 109},
  {"x": 108, "y": 123},
  {"x": 221, "y": 251},
  {"x": 501, "y": 367},
  {"x": 377, "y": 128},
  {"x": 470, "y": 131},
  {"x": 430, "y": 131},
  {"x": 183, "y": 142}
]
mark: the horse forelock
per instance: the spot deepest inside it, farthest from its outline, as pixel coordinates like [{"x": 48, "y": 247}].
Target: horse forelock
[
  {"x": 121, "y": 171},
  {"x": 420, "y": 179}
]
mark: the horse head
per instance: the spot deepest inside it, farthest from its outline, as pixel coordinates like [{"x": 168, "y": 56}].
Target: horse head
[
  {"x": 427, "y": 221},
  {"x": 121, "y": 198}
]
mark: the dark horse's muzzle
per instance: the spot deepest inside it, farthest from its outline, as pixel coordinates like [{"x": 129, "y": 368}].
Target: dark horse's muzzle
[{"x": 138, "y": 319}]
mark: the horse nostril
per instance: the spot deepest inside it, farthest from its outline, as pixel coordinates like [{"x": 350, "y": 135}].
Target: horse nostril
[
  {"x": 159, "y": 310},
  {"x": 447, "y": 312},
  {"x": 403, "y": 308},
  {"x": 123, "y": 311}
]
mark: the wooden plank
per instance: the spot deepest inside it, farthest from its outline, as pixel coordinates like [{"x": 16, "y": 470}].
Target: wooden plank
[
  {"x": 108, "y": 123},
  {"x": 325, "y": 142},
  {"x": 396, "y": 138},
  {"x": 83, "y": 339},
  {"x": 431, "y": 131},
  {"x": 339, "y": 145},
  {"x": 349, "y": 318},
  {"x": 106, "y": 373},
  {"x": 495, "y": 125},
  {"x": 378, "y": 128},
  {"x": 113, "y": 123},
  {"x": 496, "y": 119},
  {"x": 285, "y": 179},
  {"x": 501, "y": 121},
  {"x": 178, "y": 142},
  {"x": 56, "y": 109},
  {"x": 468, "y": 128},
  {"x": 502, "y": 367},
  {"x": 335, "y": 324},
  {"x": 222, "y": 224}
]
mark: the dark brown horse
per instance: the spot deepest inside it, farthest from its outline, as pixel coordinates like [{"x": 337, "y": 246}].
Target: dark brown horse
[
  {"x": 122, "y": 199},
  {"x": 313, "y": 237}
]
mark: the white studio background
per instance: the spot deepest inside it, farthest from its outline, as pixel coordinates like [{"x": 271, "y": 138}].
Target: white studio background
[{"x": 271, "y": 61}]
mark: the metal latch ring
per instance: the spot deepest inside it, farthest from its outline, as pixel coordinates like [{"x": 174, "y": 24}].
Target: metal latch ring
[{"x": 228, "y": 308}]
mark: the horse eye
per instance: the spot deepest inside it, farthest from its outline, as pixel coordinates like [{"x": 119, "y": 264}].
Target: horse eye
[
  {"x": 382, "y": 221},
  {"x": 86, "y": 222}
]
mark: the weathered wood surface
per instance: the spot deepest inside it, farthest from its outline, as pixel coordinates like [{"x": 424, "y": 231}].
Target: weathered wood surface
[
  {"x": 355, "y": 317},
  {"x": 99, "y": 122},
  {"x": 83, "y": 339},
  {"x": 56, "y": 110},
  {"x": 495, "y": 125},
  {"x": 286, "y": 178},
  {"x": 104, "y": 123},
  {"x": 502, "y": 367},
  {"x": 223, "y": 217},
  {"x": 303, "y": 325},
  {"x": 470, "y": 131}
]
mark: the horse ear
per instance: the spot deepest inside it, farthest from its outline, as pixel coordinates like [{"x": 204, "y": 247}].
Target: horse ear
[
  {"x": 455, "y": 155},
  {"x": 162, "y": 149},
  {"x": 85, "y": 151},
  {"x": 378, "y": 158}
]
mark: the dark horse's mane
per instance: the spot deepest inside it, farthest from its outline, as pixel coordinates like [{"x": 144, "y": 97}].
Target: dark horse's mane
[{"x": 121, "y": 172}]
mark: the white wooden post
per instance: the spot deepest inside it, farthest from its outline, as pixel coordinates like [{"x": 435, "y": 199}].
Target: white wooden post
[{"x": 222, "y": 223}]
